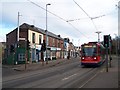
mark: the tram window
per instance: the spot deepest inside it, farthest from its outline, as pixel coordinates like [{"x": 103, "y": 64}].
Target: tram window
[
  {"x": 99, "y": 50},
  {"x": 95, "y": 52},
  {"x": 83, "y": 52},
  {"x": 88, "y": 51}
]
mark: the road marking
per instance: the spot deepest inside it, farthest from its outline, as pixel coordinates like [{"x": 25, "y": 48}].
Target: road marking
[
  {"x": 88, "y": 80},
  {"x": 68, "y": 77}
]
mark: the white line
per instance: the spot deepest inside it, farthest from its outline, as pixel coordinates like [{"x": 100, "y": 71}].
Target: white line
[
  {"x": 68, "y": 77},
  {"x": 88, "y": 81}
]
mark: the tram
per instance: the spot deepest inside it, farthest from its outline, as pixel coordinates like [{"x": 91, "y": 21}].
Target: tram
[{"x": 92, "y": 53}]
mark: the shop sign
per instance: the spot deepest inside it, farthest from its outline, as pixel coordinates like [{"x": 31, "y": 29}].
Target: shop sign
[
  {"x": 53, "y": 48},
  {"x": 58, "y": 48},
  {"x": 38, "y": 47}
]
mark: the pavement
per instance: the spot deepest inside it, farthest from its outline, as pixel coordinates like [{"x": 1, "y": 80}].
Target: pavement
[
  {"x": 104, "y": 79},
  {"x": 36, "y": 66}
]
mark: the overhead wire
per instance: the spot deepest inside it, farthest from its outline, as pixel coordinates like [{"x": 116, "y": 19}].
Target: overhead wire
[
  {"x": 75, "y": 19},
  {"x": 47, "y": 10},
  {"x": 91, "y": 18},
  {"x": 81, "y": 8},
  {"x": 78, "y": 30},
  {"x": 58, "y": 17},
  {"x": 85, "y": 18}
]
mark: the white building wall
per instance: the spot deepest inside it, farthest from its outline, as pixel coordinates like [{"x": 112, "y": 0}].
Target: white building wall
[
  {"x": 36, "y": 36},
  {"x": 35, "y": 46}
]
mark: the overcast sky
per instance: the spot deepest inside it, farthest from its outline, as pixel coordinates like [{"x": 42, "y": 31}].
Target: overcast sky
[{"x": 79, "y": 28}]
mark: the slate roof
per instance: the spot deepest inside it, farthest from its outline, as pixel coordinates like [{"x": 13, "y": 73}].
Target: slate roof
[{"x": 32, "y": 27}]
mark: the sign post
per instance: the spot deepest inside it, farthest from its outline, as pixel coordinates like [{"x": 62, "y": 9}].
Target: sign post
[{"x": 26, "y": 55}]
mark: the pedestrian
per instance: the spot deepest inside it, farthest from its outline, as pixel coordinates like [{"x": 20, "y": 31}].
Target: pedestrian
[{"x": 68, "y": 57}]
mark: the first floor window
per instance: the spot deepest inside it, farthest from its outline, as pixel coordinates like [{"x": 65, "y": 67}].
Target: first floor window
[
  {"x": 40, "y": 38},
  {"x": 33, "y": 37}
]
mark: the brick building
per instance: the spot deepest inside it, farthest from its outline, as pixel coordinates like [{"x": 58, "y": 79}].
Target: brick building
[{"x": 35, "y": 35}]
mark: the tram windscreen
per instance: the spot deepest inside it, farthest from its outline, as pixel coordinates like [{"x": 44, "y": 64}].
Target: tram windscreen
[{"x": 89, "y": 51}]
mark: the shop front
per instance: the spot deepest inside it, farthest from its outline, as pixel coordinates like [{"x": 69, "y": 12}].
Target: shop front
[
  {"x": 36, "y": 53},
  {"x": 53, "y": 53}
]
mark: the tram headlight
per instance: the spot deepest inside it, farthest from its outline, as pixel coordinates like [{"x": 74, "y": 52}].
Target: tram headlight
[
  {"x": 95, "y": 58},
  {"x": 83, "y": 58}
]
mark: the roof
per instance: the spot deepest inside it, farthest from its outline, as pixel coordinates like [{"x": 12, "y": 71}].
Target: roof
[
  {"x": 93, "y": 43},
  {"x": 32, "y": 27}
]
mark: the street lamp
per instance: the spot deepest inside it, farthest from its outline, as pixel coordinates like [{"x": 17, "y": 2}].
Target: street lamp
[
  {"x": 46, "y": 34},
  {"x": 98, "y": 32},
  {"x": 116, "y": 42}
]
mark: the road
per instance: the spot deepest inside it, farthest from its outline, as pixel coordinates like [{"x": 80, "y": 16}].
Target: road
[{"x": 66, "y": 75}]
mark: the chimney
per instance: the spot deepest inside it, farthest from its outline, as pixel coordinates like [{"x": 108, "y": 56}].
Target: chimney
[
  {"x": 32, "y": 26},
  {"x": 58, "y": 35}
]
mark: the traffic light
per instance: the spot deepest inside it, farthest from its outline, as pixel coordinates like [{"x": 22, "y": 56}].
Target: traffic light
[
  {"x": 28, "y": 45},
  {"x": 12, "y": 48},
  {"x": 106, "y": 40},
  {"x": 43, "y": 48}
]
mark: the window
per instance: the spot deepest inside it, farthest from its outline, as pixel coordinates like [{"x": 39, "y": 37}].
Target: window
[
  {"x": 40, "y": 38},
  {"x": 58, "y": 43},
  {"x": 33, "y": 37},
  {"x": 89, "y": 51},
  {"x": 53, "y": 42},
  {"x": 7, "y": 38},
  {"x": 21, "y": 57}
]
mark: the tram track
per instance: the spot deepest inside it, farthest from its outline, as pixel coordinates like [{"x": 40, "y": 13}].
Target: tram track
[
  {"x": 63, "y": 76},
  {"x": 38, "y": 75},
  {"x": 82, "y": 79},
  {"x": 62, "y": 80}
]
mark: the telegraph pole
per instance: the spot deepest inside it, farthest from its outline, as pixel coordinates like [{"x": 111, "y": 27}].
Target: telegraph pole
[
  {"x": 17, "y": 45},
  {"x": 18, "y": 29}
]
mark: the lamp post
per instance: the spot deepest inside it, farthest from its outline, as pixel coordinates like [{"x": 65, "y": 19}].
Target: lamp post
[
  {"x": 116, "y": 44},
  {"x": 98, "y": 32},
  {"x": 46, "y": 34}
]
